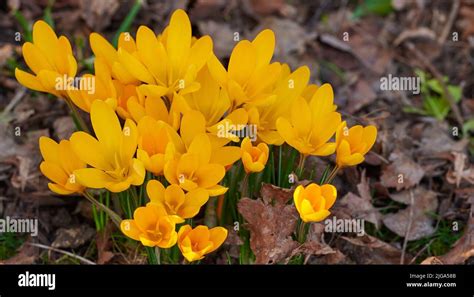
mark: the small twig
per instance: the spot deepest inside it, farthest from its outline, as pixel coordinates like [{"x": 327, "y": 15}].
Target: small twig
[
  {"x": 421, "y": 251},
  {"x": 407, "y": 233},
  {"x": 16, "y": 98},
  {"x": 439, "y": 77},
  {"x": 82, "y": 259},
  {"x": 452, "y": 15}
]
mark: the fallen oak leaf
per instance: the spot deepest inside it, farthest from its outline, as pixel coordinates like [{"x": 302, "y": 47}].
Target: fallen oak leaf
[{"x": 270, "y": 229}]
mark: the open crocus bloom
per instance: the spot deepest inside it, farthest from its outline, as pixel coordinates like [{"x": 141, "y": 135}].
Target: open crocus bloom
[
  {"x": 157, "y": 143},
  {"x": 250, "y": 73},
  {"x": 59, "y": 164},
  {"x": 197, "y": 242},
  {"x": 175, "y": 201},
  {"x": 171, "y": 60},
  {"x": 254, "y": 158},
  {"x": 311, "y": 125},
  {"x": 111, "y": 154},
  {"x": 314, "y": 201},
  {"x": 51, "y": 60},
  {"x": 289, "y": 86},
  {"x": 353, "y": 144},
  {"x": 193, "y": 170},
  {"x": 152, "y": 226}
]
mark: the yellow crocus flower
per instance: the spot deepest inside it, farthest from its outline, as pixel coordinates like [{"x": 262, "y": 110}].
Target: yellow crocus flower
[
  {"x": 50, "y": 59},
  {"x": 111, "y": 155},
  {"x": 289, "y": 87},
  {"x": 102, "y": 49},
  {"x": 103, "y": 88},
  {"x": 353, "y": 144},
  {"x": 175, "y": 201},
  {"x": 250, "y": 73},
  {"x": 193, "y": 124},
  {"x": 59, "y": 164},
  {"x": 171, "y": 60},
  {"x": 254, "y": 158},
  {"x": 193, "y": 169},
  {"x": 314, "y": 201},
  {"x": 214, "y": 104},
  {"x": 157, "y": 142},
  {"x": 152, "y": 226},
  {"x": 311, "y": 125},
  {"x": 196, "y": 243}
]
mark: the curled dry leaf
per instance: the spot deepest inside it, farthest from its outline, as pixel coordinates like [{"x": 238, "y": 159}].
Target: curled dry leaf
[
  {"x": 73, "y": 237},
  {"x": 360, "y": 207},
  {"x": 402, "y": 173},
  {"x": 416, "y": 217},
  {"x": 370, "y": 250},
  {"x": 435, "y": 140},
  {"x": 271, "y": 193},
  {"x": 316, "y": 246},
  {"x": 98, "y": 14},
  {"x": 270, "y": 229},
  {"x": 459, "y": 173}
]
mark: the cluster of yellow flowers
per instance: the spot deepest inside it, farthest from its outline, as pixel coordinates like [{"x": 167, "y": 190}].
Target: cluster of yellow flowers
[{"x": 182, "y": 111}]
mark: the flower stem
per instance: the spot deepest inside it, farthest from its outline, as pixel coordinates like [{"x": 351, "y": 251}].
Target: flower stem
[
  {"x": 300, "y": 168},
  {"x": 332, "y": 175},
  {"x": 244, "y": 187},
  {"x": 113, "y": 216},
  {"x": 302, "y": 230},
  {"x": 77, "y": 117}
]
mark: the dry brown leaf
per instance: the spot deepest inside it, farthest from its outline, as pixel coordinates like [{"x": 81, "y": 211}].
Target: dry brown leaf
[
  {"x": 370, "y": 250},
  {"x": 103, "y": 246},
  {"x": 360, "y": 207},
  {"x": 421, "y": 32},
  {"x": 264, "y": 7},
  {"x": 402, "y": 173},
  {"x": 271, "y": 193},
  {"x": 270, "y": 229},
  {"x": 362, "y": 94},
  {"x": 292, "y": 38},
  {"x": 315, "y": 246},
  {"x": 222, "y": 36},
  {"x": 6, "y": 51},
  {"x": 98, "y": 14},
  {"x": 64, "y": 127},
  {"x": 416, "y": 215},
  {"x": 436, "y": 140},
  {"x": 459, "y": 173},
  {"x": 73, "y": 237}
]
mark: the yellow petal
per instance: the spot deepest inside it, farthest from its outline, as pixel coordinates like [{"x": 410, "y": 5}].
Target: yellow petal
[
  {"x": 130, "y": 229},
  {"x": 29, "y": 81},
  {"x": 88, "y": 149},
  {"x": 106, "y": 126},
  {"x": 209, "y": 175},
  {"x": 217, "y": 236},
  {"x": 93, "y": 178},
  {"x": 135, "y": 67},
  {"x": 242, "y": 62},
  {"x": 265, "y": 45},
  {"x": 178, "y": 41}
]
